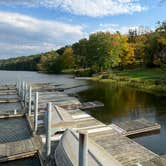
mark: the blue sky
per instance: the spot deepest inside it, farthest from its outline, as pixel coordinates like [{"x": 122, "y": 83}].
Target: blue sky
[{"x": 34, "y": 26}]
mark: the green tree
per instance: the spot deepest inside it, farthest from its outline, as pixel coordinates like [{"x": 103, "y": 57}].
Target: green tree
[
  {"x": 80, "y": 50},
  {"x": 99, "y": 51},
  {"x": 47, "y": 62}
]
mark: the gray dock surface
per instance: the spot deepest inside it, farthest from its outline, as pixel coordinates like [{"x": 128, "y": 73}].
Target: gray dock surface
[{"x": 13, "y": 129}]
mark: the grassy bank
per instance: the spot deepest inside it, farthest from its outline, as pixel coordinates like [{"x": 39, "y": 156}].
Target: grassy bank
[{"x": 146, "y": 79}]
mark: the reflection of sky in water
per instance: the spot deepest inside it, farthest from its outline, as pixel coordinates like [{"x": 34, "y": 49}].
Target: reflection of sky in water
[{"x": 13, "y": 76}]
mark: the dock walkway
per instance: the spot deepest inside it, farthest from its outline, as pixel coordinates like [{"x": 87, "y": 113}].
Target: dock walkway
[
  {"x": 124, "y": 150},
  {"x": 108, "y": 144},
  {"x": 111, "y": 138},
  {"x": 64, "y": 155}
]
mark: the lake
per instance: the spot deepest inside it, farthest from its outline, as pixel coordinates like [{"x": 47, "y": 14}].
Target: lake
[{"x": 121, "y": 103}]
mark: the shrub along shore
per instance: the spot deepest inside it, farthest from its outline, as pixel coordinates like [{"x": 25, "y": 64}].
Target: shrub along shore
[{"x": 151, "y": 80}]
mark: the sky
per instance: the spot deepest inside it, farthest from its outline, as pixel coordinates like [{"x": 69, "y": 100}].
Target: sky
[{"x": 33, "y": 26}]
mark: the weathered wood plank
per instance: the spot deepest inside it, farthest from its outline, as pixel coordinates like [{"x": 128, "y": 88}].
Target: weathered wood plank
[
  {"x": 9, "y": 100},
  {"x": 18, "y": 149},
  {"x": 133, "y": 127}
]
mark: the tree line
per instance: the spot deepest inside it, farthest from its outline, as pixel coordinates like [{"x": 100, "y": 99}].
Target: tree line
[{"x": 102, "y": 51}]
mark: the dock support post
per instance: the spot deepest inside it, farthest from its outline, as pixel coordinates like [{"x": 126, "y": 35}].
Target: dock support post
[
  {"x": 48, "y": 129},
  {"x": 83, "y": 148},
  {"x": 36, "y": 111},
  {"x": 30, "y": 101}
]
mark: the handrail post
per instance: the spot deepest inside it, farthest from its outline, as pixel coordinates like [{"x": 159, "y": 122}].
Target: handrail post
[
  {"x": 17, "y": 84},
  {"x": 23, "y": 85},
  {"x": 30, "y": 101},
  {"x": 25, "y": 94},
  {"x": 15, "y": 112},
  {"x": 20, "y": 86},
  {"x": 83, "y": 148},
  {"x": 48, "y": 128},
  {"x": 36, "y": 111}
]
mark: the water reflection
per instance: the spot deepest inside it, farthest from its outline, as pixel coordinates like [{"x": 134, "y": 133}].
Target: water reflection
[
  {"x": 13, "y": 76},
  {"x": 124, "y": 103}
]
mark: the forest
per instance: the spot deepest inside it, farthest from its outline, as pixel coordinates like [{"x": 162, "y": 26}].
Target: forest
[{"x": 101, "y": 52}]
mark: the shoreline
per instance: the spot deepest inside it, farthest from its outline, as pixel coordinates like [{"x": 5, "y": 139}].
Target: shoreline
[
  {"x": 140, "y": 85},
  {"x": 149, "y": 80}
]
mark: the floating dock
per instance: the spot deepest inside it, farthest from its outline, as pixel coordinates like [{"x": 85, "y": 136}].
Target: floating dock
[
  {"x": 52, "y": 131},
  {"x": 16, "y": 139},
  {"x": 136, "y": 127}
]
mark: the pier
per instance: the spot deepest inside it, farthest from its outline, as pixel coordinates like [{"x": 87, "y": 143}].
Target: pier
[{"x": 40, "y": 119}]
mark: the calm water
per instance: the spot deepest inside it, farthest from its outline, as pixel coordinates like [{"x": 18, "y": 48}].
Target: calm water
[
  {"x": 120, "y": 103},
  {"x": 124, "y": 103}
]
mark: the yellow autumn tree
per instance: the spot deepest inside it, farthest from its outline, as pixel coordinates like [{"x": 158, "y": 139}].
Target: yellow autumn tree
[
  {"x": 68, "y": 58},
  {"x": 127, "y": 56}
]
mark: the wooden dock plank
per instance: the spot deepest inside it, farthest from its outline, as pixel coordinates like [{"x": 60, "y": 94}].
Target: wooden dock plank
[
  {"x": 18, "y": 147},
  {"x": 3, "y": 150},
  {"x": 8, "y": 93},
  {"x": 17, "y": 150},
  {"x": 9, "y": 100},
  {"x": 126, "y": 151},
  {"x": 133, "y": 127},
  {"x": 156, "y": 161}
]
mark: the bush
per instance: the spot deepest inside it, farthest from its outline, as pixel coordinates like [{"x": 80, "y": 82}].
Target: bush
[
  {"x": 83, "y": 73},
  {"x": 105, "y": 76}
]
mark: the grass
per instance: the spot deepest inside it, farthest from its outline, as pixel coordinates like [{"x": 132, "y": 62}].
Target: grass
[
  {"x": 145, "y": 79},
  {"x": 144, "y": 74},
  {"x": 68, "y": 71}
]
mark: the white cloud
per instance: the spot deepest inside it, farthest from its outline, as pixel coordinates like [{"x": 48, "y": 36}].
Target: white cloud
[
  {"x": 93, "y": 8},
  {"x": 23, "y": 35}
]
